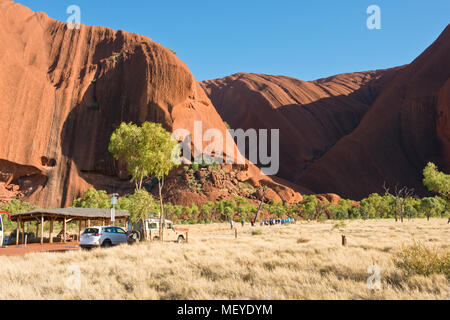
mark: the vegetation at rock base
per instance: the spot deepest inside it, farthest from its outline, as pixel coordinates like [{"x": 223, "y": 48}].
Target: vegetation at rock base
[{"x": 149, "y": 151}]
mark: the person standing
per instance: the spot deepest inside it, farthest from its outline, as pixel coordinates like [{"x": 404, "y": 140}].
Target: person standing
[
  {"x": 243, "y": 222},
  {"x": 231, "y": 224}
]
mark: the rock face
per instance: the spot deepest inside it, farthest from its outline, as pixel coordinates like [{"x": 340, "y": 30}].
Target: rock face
[
  {"x": 311, "y": 116},
  {"x": 63, "y": 92},
  {"x": 224, "y": 182},
  {"x": 350, "y": 133},
  {"x": 407, "y": 126}
]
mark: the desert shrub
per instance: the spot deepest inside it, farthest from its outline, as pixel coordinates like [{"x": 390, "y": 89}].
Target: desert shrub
[
  {"x": 341, "y": 210},
  {"x": 277, "y": 209},
  {"x": 309, "y": 207},
  {"x": 339, "y": 225},
  {"x": 225, "y": 209},
  {"x": 422, "y": 260},
  {"x": 376, "y": 206},
  {"x": 432, "y": 207},
  {"x": 256, "y": 232},
  {"x": 206, "y": 210}
]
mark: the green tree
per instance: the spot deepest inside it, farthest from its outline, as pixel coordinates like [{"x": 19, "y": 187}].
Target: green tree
[
  {"x": 93, "y": 199},
  {"x": 206, "y": 210},
  {"x": 437, "y": 181},
  {"x": 14, "y": 207},
  {"x": 148, "y": 150},
  {"x": 139, "y": 204},
  {"x": 432, "y": 206},
  {"x": 308, "y": 207},
  {"x": 226, "y": 209}
]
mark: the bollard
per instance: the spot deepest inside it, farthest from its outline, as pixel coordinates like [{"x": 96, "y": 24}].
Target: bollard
[{"x": 344, "y": 241}]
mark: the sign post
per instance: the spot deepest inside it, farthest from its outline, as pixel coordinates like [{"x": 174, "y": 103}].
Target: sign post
[{"x": 113, "y": 209}]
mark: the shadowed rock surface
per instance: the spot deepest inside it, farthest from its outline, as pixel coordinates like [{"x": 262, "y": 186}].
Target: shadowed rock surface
[
  {"x": 350, "y": 133},
  {"x": 311, "y": 116},
  {"x": 407, "y": 126}
]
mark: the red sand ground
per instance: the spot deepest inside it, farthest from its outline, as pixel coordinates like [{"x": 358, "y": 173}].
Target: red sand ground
[{"x": 22, "y": 250}]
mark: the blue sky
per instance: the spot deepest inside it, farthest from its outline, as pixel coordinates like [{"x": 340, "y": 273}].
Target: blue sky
[{"x": 302, "y": 39}]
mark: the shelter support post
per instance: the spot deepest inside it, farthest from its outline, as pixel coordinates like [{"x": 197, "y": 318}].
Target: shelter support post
[
  {"x": 51, "y": 231},
  {"x": 65, "y": 230},
  {"x": 17, "y": 232},
  {"x": 42, "y": 229}
]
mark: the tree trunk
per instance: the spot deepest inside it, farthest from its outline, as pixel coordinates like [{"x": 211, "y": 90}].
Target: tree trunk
[
  {"x": 401, "y": 212},
  {"x": 161, "y": 216},
  {"x": 144, "y": 230},
  {"x": 396, "y": 210}
]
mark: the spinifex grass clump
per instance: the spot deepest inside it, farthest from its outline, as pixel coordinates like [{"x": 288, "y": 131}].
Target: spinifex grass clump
[{"x": 418, "y": 259}]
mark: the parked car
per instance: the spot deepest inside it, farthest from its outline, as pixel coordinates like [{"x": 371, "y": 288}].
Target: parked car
[
  {"x": 136, "y": 231},
  {"x": 103, "y": 236}
]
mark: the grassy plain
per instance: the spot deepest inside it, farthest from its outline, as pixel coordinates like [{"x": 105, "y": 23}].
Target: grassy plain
[{"x": 301, "y": 261}]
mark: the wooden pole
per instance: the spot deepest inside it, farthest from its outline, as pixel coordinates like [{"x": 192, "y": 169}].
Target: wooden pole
[
  {"x": 64, "y": 230},
  {"x": 89, "y": 223},
  {"x": 79, "y": 230},
  {"x": 42, "y": 229},
  {"x": 18, "y": 232},
  {"x": 51, "y": 231},
  {"x": 235, "y": 233},
  {"x": 344, "y": 240},
  {"x": 23, "y": 232}
]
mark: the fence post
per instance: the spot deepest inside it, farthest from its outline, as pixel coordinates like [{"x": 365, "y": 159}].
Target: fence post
[
  {"x": 235, "y": 233},
  {"x": 344, "y": 240}
]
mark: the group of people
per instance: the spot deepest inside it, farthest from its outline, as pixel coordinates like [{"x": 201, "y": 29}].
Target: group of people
[
  {"x": 272, "y": 222},
  {"x": 267, "y": 222}
]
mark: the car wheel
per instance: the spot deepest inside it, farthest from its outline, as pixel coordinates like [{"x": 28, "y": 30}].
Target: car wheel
[
  {"x": 134, "y": 237},
  {"x": 107, "y": 243},
  {"x": 180, "y": 239}
]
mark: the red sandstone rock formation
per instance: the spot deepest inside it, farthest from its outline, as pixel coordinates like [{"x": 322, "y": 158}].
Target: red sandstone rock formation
[
  {"x": 63, "y": 92},
  {"x": 311, "y": 116},
  {"x": 407, "y": 126}
]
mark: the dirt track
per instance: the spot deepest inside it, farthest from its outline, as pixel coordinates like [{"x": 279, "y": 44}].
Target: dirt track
[{"x": 22, "y": 250}]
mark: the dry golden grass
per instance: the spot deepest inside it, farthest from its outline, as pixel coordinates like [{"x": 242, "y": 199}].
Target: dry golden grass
[{"x": 302, "y": 261}]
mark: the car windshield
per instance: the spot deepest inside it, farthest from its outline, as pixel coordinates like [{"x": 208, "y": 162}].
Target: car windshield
[{"x": 91, "y": 231}]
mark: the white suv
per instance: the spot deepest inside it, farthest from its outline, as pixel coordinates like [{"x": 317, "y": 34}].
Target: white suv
[{"x": 102, "y": 236}]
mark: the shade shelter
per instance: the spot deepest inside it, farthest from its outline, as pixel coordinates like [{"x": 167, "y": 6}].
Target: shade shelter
[{"x": 65, "y": 215}]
